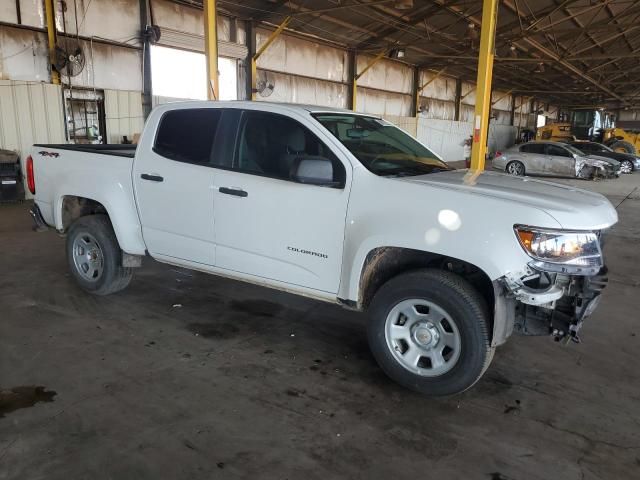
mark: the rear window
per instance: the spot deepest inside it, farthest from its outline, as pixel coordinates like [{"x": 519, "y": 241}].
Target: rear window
[
  {"x": 187, "y": 135},
  {"x": 532, "y": 148}
]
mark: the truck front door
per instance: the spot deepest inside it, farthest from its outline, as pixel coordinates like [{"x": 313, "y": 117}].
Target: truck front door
[
  {"x": 173, "y": 182},
  {"x": 269, "y": 225}
]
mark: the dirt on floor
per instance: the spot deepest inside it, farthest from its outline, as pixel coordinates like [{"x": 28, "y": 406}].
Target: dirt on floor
[{"x": 189, "y": 376}]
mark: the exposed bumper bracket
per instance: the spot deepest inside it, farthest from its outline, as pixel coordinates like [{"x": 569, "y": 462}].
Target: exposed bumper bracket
[{"x": 39, "y": 224}]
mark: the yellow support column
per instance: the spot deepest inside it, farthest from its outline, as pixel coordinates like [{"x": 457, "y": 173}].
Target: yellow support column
[
  {"x": 265, "y": 45},
  {"x": 52, "y": 39},
  {"x": 211, "y": 48},
  {"x": 373, "y": 61},
  {"x": 483, "y": 89}
]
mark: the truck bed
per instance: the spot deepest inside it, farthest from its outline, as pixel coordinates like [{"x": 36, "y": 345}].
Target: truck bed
[{"x": 103, "y": 149}]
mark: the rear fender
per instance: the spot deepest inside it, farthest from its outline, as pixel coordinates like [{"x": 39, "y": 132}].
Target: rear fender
[{"x": 121, "y": 212}]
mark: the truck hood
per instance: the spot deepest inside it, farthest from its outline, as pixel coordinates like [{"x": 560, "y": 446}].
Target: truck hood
[{"x": 573, "y": 208}]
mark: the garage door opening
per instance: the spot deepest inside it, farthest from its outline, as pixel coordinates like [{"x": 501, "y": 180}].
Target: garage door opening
[{"x": 178, "y": 74}]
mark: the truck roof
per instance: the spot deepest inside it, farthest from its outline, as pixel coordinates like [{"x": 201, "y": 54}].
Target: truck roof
[{"x": 273, "y": 105}]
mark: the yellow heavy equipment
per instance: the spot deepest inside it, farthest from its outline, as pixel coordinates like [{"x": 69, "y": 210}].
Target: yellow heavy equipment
[
  {"x": 593, "y": 125},
  {"x": 621, "y": 140},
  {"x": 556, "y": 132}
]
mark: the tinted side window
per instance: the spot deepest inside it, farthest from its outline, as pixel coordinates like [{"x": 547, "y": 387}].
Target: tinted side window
[
  {"x": 187, "y": 135},
  {"x": 557, "y": 151},
  {"x": 532, "y": 148},
  {"x": 270, "y": 145}
]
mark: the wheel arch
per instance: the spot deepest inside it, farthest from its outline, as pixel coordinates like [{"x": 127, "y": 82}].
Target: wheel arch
[
  {"x": 384, "y": 263},
  {"x": 127, "y": 230}
]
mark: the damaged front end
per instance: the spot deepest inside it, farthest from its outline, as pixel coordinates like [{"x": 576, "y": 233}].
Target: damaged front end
[
  {"x": 555, "y": 304},
  {"x": 593, "y": 167},
  {"x": 563, "y": 286}
]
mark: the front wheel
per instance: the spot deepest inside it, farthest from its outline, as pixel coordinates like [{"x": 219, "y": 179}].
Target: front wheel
[
  {"x": 94, "y": 256},
  {"x": 429, "y": 331}
]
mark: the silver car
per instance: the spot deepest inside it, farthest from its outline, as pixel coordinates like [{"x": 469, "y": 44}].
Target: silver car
[{"x": 554, "y": 158}]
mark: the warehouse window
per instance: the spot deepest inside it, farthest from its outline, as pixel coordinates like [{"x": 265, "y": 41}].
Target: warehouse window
[
  {"x": 187, "y": 135},
  {"x": 178, "y": 74},
  {"x": 85, "y": 115}
]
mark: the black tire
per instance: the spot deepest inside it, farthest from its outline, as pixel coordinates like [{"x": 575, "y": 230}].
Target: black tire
[
  {"x": 113, "y": 277},
  {"x": 623, "y": 147},
  {"x": 462, "y": 302},
  {"x": 517, "y": 168}
]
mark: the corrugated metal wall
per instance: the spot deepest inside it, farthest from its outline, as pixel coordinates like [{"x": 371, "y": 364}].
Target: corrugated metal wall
[
  {"x": 123, "y": 114},
  {"x": 30, "y": 113}
]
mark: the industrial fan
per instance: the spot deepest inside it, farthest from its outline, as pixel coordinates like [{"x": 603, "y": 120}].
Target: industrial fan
[
  {"x": 69, "y": 57},
  {"x": 265, "y": 84}
]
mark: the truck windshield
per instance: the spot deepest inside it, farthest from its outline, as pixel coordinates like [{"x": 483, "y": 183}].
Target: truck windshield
[{"x": 380, "y": 146}]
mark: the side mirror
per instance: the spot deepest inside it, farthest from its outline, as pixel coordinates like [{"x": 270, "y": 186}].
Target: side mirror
[{"x": 314, "y": 171}]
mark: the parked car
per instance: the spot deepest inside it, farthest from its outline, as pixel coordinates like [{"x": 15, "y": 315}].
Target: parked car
[
  {"x": 341, "y": 207},
  {"x": 554, "y": 158},
  {"x": 628, "y": 162}
]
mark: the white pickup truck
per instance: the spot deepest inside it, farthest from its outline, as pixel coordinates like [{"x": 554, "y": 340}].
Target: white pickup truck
[{"x": 341, "y": 207}]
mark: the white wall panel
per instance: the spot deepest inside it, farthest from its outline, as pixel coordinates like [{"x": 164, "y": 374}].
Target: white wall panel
[
  {"x": 385, "y": 75},
  {"x": 31, "y": 11},
  {"x": 433, "y": 108},
  {"x": 23, "y": 55},
  {"x": 469, "y": 93},
  {"x": 109, "y": 67},
  {"x": 442, "y": 88},
  {"x": 117, "y": 20},
  {"x": 123, "y": 114},
  {"x": 293, "y": 89},
  {"x": 8, "y": 12},
  {"x": 382, "y": 103},
  {"x": 446, "y": 137},
  {"x": 185, "y": 19},
  {"x": 501, "y": 100},
  {"x": 30, "y": 113},
  {"x": 293, "y": 55}
]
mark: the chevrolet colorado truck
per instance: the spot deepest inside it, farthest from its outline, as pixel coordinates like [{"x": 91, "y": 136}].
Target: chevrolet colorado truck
[{"x": 341, "y": 207}]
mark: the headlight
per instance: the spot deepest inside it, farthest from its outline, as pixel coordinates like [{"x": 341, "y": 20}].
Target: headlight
[{"x": 561, "y": 251}]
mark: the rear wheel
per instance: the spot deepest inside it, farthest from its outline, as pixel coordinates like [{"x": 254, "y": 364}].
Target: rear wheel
[
  {"x": 429, "y": 331},
  {"x": 515, "y": 168},
  {"x": 94, "y": 256},
  {"x": 622, "y": 146}
]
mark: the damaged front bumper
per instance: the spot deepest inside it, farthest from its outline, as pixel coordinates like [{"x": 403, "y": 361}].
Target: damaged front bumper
[
  {"x": 548, "y": 303},
  {"x": 592, "y": 168}
]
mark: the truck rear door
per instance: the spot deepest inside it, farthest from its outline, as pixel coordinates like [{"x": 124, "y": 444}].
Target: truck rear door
[{"x": 173, "y": 182}]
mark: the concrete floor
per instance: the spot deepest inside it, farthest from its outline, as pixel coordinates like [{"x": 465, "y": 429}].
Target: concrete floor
[{"x": 245, "y": 382}]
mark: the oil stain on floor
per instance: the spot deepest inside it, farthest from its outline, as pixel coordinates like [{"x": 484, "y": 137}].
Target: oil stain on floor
[{"x": 23, "y": 397}]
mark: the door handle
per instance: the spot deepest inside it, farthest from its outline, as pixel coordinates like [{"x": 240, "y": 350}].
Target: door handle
[
  {"x": 153, "y": 178},
  {"x": 233, "y": 191}
]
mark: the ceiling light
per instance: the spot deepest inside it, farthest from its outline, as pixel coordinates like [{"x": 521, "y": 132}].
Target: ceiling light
[
  {"x": 397, "y": 53},
  {"x": 513, "y": 51},
  {"x": 472, "y": 33}
]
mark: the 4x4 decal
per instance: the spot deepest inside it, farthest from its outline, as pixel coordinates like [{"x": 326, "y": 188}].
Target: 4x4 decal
[{"x": 49, "y": 154}]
